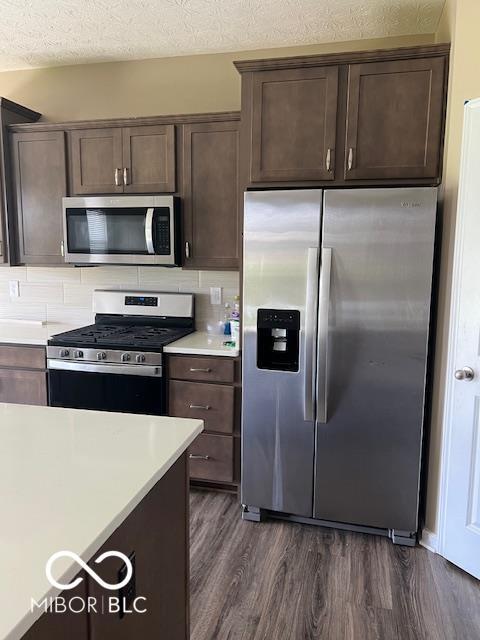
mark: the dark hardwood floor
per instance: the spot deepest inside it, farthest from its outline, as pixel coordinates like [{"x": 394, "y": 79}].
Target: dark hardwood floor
[{"x": 283, "y": 581}]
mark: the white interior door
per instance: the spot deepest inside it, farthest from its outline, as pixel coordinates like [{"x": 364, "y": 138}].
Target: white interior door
[{"x": 460, "y": 534}]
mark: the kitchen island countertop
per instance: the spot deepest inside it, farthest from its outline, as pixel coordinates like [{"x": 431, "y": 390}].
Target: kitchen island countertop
[{"x": 68, "y": 479}]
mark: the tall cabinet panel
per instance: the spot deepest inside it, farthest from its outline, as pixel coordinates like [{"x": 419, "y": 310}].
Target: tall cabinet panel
[
  {"x": 149, "y": 159},
  {"x": 39, "y": 174},
  {"x": 394, "y": 119},
  {"x": 10, "y": 113},
  {"x": 294, "y": 116},
  {"x": 211, "y": 195},
  {"x": 96, "y": 161}
]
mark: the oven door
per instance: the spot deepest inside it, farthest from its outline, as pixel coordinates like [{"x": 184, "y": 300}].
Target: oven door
[
  {"x": 103, "y": 387},
  {"x": 128, "y": 230}
]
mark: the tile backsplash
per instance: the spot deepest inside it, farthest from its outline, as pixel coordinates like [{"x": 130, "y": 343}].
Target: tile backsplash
[{"x": 64, "y": 294}]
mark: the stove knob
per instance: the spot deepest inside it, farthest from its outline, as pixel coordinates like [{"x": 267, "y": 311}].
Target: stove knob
[
  {"x": 78, "y": 354},
  {"x": 101, "y": 355},
  {"x": 140, "y": 358},
  {"x": 125, "y": 357},
  {"x": 64, "y": 353}
]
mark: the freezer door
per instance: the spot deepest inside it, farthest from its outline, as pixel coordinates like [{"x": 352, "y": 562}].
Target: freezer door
[
  {"x": 375, "y": 331},
  {"x": 280, "y": 281}
]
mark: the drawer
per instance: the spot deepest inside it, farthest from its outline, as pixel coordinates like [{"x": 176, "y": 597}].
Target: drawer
[
  {"x": 212, "y": 403},
  {"x": 202, "y": 369},
  {"x": 215, "y": 458},
  {"x": 23, "y": 387},
  {"x": 22, "y": 357}
]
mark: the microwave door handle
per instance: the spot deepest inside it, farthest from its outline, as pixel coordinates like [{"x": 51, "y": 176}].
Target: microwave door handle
[
  {"x": 149, "y": 230},
  {"x": 322, "y": 344},
  {"x": 309, "y": 339}
]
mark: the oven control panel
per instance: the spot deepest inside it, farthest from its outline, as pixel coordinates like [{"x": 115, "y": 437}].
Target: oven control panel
[{"x": 141, "y": 301}]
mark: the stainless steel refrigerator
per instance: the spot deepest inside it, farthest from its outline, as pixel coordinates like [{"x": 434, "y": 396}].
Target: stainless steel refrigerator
[{"x": 336, "y": 300}]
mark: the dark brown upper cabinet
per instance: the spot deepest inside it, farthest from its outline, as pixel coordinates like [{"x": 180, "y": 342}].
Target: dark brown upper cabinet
[
  {"x": 10, "y": 113},
  {"x": 211, "y": 195},
  {"x": 137, "y": 159},
  {"x": 96, "y": 161},
  {"x": 364, "y": 118},
  {"x": 149, "y": 159},
  {"x": 294, "y": 117},
  {"x": 395, "y": 116},
  {"x": 39, "y": 183}
]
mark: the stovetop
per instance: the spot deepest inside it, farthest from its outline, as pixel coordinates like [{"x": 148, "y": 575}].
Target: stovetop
[{"x": 121, "y": 336}]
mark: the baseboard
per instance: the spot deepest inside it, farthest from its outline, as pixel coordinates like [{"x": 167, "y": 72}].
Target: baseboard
[{"x": 429, "y": 540}]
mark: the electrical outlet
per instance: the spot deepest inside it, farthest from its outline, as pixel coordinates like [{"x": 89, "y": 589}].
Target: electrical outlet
[
  {"x": 14, "y": 288},
  {"x": 215, "y": 295}
]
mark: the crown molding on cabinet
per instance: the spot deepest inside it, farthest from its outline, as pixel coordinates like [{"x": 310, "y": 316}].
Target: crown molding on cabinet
[
  {"x": 349, "y": 57},
  {"x": 127, "y": 122}
]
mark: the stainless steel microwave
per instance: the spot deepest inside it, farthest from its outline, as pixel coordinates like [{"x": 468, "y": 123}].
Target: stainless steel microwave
[{"x": 122, "y": 230}]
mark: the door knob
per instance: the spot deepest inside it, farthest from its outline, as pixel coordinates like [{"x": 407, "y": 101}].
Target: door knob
[{"x": 467, "y": 373}]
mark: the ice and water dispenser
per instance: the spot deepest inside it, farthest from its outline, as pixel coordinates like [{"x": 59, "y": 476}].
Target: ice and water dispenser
[{"x": 278, "y": 339}]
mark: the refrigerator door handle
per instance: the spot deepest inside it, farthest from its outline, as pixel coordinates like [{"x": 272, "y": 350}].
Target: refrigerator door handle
[
  {"x": 322, "y": 344},
  {"x": 310, "y": 330}
]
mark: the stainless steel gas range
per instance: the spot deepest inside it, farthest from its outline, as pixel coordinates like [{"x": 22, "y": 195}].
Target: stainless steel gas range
[{"x": 116, "y": 364}]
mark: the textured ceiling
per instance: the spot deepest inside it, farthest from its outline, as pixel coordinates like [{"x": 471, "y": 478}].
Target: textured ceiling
[{"x": 42, "y": 33}]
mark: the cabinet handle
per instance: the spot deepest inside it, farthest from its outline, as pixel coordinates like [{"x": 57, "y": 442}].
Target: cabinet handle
[
  {"x": 1, "y": 248},
  {"x": 194, "y": 456},
  {"x": 350, "y": 159},
  {"x": 125, "y": 176},
  {"x": 117, "y": 178},
  {"x": 194, "y": 370},
  {"x": 187, "y": 249},
  {"x": 199, "y": 406},
  {"x": 62, "y": 248},
  {"x": 328, "y": 160}
]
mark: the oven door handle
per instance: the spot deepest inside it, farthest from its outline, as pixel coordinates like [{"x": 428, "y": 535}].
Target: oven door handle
[
  {"x": 116, "y": 369},
  {"x": 149, "y": 230}
]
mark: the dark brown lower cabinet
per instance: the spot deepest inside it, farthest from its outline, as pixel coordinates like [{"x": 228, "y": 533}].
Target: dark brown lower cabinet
[
  {"x": 23, "y": 376},
  {"x": 211, "y": 458},
  {"x": 23, "y": 387},
  {"x": 155, "y": 535},
  {"x": 208, "y": 388}
]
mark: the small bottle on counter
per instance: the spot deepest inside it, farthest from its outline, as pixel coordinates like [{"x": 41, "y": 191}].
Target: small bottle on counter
[
  {"x": 226, "y": 320},
  {"x": 235, "y": 322}
]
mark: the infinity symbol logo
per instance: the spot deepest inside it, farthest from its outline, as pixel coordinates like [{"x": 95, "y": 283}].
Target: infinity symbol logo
[{"x": 95, "y": 576}]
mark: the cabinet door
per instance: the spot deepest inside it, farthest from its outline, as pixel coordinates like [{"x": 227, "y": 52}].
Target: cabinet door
[
  {"x": 211, "y": 195},
  {"x": 39, "y": 174},
  {"x": 23, "y": 387},
  {"x": 395, "y": 119},
  {"x": 212, "y": 403},
  {"x": 294, "y": 117},
  {"x": 96, "y": 161},
  {"x": 149, "y": 159}
]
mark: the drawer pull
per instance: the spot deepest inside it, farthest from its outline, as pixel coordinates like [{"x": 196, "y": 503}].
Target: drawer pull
[
  {"x": 194, "y": 456},
  {"x": 195, "y": 370},
  {"x": 200, "y": 406}
]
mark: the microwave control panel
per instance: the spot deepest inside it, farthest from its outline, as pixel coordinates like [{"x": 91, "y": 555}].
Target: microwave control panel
[{"x": 162, "y": 235}]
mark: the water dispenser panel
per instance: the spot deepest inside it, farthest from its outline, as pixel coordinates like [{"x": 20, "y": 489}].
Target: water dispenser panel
[{"x": 278, "y": 339}]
